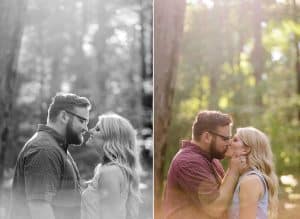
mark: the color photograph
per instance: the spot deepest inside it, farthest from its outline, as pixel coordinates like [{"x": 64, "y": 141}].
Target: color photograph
[{"x": 227, "y": 109}]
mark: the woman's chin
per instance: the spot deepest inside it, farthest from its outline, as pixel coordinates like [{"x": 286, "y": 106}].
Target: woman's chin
[
  {"x": 228, "y": 154},
  {"x": 89, "y": 143}
]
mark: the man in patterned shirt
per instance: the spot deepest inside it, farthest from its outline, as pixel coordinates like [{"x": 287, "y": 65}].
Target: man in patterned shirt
[{"x": 46, "y": 181}]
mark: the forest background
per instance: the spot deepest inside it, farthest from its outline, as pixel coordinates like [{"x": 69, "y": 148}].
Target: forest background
[
  {"x": 239, "y": 57},
  {"x": 98, "y": 49}
]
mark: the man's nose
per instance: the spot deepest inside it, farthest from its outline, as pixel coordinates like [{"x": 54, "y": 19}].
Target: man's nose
[{"x": 85, "y": 128}]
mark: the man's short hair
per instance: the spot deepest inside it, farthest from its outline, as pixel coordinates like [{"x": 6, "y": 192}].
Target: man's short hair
[
  {"x": 209, "y": 121},
  {"x": 66, "y": 101}
]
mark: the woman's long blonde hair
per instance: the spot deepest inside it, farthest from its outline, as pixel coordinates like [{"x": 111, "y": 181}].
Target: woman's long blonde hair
[
  {"x": 261, "y": 158},
  {"x": 119, "y": 148}
]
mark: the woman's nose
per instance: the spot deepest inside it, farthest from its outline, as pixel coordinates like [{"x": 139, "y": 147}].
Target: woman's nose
[{"x": 91, "y": 131}]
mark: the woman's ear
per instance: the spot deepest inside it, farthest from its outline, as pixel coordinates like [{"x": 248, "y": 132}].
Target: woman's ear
[{"x": 247, "y": 150}]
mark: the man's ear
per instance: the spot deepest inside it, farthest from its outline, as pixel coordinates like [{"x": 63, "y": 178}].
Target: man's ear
[
  {"x": 63, "y": 117},
  {"x": 207, "y": 137}
]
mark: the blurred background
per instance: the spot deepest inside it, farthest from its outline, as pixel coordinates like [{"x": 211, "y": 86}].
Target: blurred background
[
  {"x": 98, "y": 49},
  {"x": 241, "y": 57}
]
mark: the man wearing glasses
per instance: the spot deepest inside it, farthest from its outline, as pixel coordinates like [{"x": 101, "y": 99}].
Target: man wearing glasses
[
  {"x": 46, "y": 183},
  {"x": 197, "y": 186}
]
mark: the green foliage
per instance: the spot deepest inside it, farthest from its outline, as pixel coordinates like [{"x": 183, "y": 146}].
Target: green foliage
[{"x": 216, "y": 71}]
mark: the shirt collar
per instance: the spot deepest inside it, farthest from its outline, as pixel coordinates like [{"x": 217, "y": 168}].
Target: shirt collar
[
  {"x": 59, "y": 138},
  {"x": 195, "y": 148}
]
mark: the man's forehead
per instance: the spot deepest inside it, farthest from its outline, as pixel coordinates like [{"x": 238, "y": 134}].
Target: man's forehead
[
  {"x": 225, "y": 129},
  {"x": 82, "y": 111}
]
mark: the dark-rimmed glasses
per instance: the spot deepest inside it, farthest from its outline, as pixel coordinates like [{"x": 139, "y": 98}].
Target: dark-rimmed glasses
[
  {"x": 81, "y": 119},
  {"x": 225, "y": 138}
]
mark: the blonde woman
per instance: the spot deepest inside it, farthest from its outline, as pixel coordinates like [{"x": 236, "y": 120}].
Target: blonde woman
[
  {"x": 113, "y": 192},
  {"x": 256, "y": 193}
]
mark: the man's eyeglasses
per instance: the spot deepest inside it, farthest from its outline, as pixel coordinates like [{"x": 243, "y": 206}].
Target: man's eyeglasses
[
  {"x": 81, "y": 119},
  {"x": 225, "y": 138}
]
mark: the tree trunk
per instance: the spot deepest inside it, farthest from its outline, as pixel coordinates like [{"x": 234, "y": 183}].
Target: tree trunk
[
  {"x": 258, "y": 50},
  {"x": 146, "y": 64},
  {"x": 217, "y": 47},
  {"x": 168, "y": 28},
  {"x": 12, "y": 13},
  {"x": 101, "y": 72},
  {"x": 296, "y": 43},
  {"x": 142, "y": 48}
]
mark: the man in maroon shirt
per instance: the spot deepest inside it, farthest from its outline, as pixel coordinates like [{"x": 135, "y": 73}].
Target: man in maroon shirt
[{"x": 197, "y": 186}]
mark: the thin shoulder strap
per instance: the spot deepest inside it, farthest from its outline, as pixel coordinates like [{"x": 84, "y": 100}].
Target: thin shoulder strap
[
  {"x": 254, "y": 172},
  {"x": 262, "y": 178}
]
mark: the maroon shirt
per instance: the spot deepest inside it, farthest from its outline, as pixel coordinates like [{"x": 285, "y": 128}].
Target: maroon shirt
[{"x": 194, "y": 178}]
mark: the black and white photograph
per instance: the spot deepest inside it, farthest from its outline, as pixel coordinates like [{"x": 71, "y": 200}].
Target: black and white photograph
[{"x": 76, "y": 90}]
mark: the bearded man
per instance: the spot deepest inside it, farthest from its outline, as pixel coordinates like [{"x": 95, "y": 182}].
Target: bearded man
[
  {"x": 197, "y": 186},
  {"x": 46, "y": 182}
]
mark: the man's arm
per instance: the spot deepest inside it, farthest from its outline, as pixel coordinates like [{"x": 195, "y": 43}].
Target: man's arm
[
  {"x": 40, "y": 209},
  {"x": 221, "y": 203},
  {"x": 217, "y": 207}
]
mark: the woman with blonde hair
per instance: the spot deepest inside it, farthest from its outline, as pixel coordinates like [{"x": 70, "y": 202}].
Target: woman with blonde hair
[
  {"x": 113, "y": 191},
  {"x": 256, "y": 193}
]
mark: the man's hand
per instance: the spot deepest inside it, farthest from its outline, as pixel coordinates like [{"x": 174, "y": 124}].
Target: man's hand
[{"x": 238, "y": 163}]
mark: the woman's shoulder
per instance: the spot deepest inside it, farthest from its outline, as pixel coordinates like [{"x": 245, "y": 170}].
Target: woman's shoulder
[
  {"x": 112, "y": 173},
  {"x": 251, "y": 186},
  {"x": 112, "y": 170},
  {"x": 249, "y": 179},
  {"x": 253, "y": 176}
]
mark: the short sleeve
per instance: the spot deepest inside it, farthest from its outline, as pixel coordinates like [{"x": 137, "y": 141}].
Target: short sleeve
[
  {"x": 197, "y": 178},
  {"x": 42, "y": 175}
]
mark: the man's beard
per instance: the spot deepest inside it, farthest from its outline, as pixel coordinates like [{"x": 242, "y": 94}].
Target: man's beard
[
  {"x": 214, "y": 152},
  {"x": 71, "y": 136}
]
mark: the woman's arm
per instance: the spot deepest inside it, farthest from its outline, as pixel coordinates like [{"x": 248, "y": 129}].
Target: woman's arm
[
  {"x": 251, "y": 190},
  {"x": 110, "y": 187}
]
